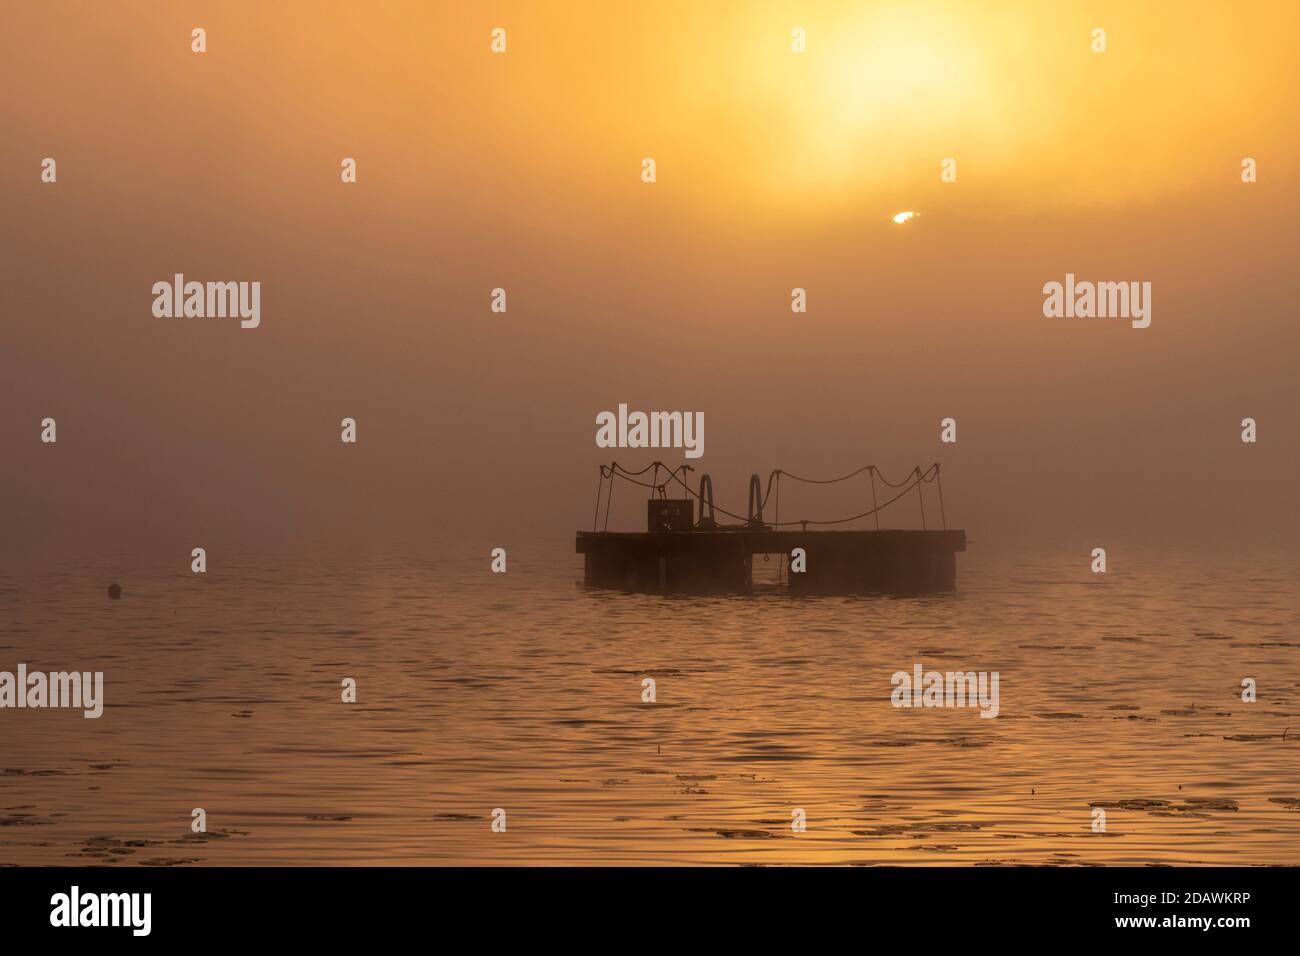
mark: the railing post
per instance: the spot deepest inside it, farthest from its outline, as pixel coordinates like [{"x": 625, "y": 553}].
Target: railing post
[{"x": 755, "y": 502}]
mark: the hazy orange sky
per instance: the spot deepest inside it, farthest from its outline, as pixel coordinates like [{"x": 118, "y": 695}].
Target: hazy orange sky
[{"x": 522, "y": 170}]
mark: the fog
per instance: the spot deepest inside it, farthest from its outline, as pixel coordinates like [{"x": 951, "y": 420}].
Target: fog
[{"x": 477, "y": 173}]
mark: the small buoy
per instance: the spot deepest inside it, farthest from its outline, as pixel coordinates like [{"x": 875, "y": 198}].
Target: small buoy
[{"x": 115, "y": 591}]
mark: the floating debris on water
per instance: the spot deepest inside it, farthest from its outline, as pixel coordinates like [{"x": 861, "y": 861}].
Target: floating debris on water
[
  {"x": 21, "y": 772},
  {"x": 1190, "y": 807},
  {"x": 1210, "y": 803},
  {"x": 1136, "y": 804},
  {"x": 21, "y": 820},
  {"x": 170, "y": 861},
  {"x": 734, "y": 834}
]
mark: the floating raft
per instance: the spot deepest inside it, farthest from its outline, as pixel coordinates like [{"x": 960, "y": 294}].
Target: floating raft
[
  {"x": 721, "y": 561},
  {"x": 678, "y": 554}
]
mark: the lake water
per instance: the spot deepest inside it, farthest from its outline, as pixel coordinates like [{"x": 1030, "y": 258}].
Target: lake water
[{"x": 523, "y": 692}]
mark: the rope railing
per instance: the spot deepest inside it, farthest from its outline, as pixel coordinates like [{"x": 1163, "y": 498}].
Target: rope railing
[{"x": 758, "y": 496}]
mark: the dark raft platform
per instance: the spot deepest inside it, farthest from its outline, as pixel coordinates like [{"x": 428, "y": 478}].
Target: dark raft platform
[{"x": 720, "y": 561}]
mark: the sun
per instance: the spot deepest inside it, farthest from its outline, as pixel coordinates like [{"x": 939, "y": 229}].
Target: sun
[{"x": 903, "y": 217}]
